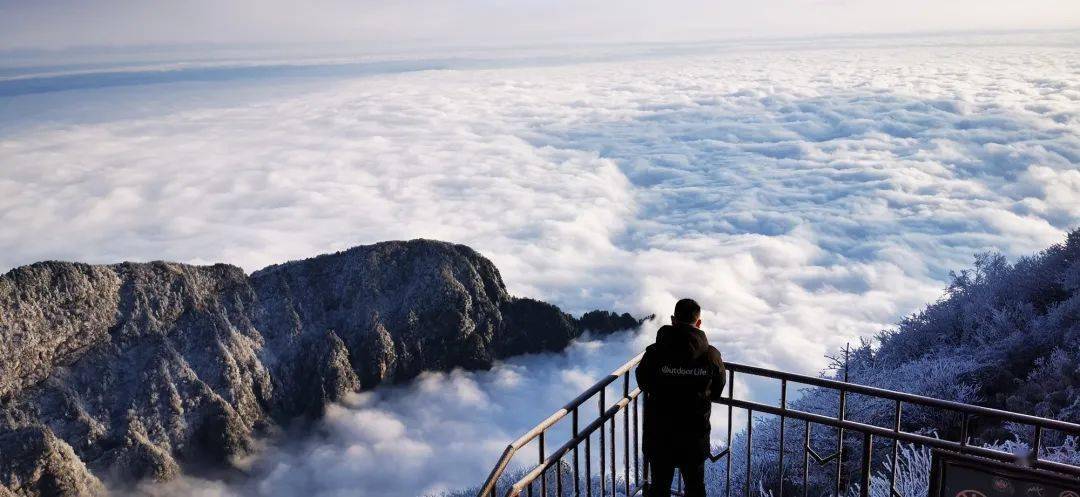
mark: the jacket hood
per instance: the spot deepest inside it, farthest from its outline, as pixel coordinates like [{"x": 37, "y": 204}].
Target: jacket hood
[{"x": 683, "y": 341}]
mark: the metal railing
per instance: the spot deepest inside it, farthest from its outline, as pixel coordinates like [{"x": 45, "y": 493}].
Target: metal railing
[
  {"x": 553, "y": 475},
  {"x": 578, "y": 435}
]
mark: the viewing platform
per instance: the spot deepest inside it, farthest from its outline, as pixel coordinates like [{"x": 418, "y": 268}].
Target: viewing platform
[{"x": 599, "y": 445}]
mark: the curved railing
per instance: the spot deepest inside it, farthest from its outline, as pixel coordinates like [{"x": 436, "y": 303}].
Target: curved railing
[
  {"x": 551, "y": 469},
  {"x": 573, "y": 408}
]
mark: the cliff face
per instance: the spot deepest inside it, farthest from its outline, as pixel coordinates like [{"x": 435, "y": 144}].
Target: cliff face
[{"x": 131, "y": 371}]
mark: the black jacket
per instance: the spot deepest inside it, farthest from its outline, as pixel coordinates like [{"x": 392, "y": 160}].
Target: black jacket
[{"x": 681, "y": 375}]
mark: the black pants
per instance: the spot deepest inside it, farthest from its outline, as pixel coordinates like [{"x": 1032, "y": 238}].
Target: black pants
[{"x": 663, "y": 472}]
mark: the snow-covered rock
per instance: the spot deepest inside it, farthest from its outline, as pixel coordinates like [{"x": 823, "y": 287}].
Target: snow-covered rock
[{"x": 136, "y": 371}]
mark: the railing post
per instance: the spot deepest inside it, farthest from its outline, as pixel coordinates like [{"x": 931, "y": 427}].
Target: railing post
[
  {"x": 806, "y": 460},
  {"x": 964, "y": 430},
  {"x": 577, "y": 466},
  {"x": 783, "y": 418},
  {"x": 749, "y": 445},
  {"x": 730, "y": 396},
  {"x": 558, "y": 477},
  {"x": 637, "y": 432},
  {"x": 614, "y": 421},
  {"x": 646, "y": 475},
  {"x": 603, "y": 455},
  {"x": 626, "y": 436},
  {"x": 840, "y": 443},
  {"x": 868, "y": 445},
  {"x": 588, "y": 466},
  {"x": 1036, "y": 446},
  {"x": 543, "y": 481},
  {"x": 895, "y": 449}
]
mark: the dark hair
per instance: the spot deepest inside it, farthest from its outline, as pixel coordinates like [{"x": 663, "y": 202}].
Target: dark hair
[{"x": 687, "y": 311}]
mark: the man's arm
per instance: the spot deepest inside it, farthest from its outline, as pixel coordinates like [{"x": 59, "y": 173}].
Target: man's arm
[
  {"x": 646, "y": 370},
  {"x": 719, "y": 379}
]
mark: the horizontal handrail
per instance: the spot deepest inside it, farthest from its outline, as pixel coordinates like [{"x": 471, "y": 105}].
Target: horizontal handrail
[
  {"x": 909, "y": 398},
  {"x": 888, "y": 433}
]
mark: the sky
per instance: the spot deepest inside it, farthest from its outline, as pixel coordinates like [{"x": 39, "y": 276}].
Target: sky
[
  {"x": 807, "y": 192},
  {"x": 389, "y": 24}
]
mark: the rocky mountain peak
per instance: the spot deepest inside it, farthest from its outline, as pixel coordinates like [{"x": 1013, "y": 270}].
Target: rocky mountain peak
[{"x": 146, "y": 370}]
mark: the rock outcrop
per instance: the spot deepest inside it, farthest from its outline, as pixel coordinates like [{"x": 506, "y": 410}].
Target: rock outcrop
[
  {"x": 128, "y": 372},
  {"x": 35, "y": 462}
]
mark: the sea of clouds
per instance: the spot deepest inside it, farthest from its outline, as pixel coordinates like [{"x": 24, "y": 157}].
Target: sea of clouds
[{"x": 806, "y": 197}]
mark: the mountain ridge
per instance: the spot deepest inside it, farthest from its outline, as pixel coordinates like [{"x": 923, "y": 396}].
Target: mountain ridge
[{"x": 124, "y": 372}]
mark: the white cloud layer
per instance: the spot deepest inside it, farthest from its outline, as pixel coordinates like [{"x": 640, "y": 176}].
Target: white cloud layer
[
  {"x": 441, "y": 433},
  {"x": 805, "y": 197}
]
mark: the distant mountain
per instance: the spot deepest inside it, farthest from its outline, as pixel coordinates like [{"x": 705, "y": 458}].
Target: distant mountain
[{"x": 124, "y": 372}]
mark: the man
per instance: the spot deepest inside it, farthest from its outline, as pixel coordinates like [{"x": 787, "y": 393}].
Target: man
[{"x": 681, "y": 375}]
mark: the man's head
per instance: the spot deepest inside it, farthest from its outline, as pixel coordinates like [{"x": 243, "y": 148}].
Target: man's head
[{"x": 687, "y": 311}]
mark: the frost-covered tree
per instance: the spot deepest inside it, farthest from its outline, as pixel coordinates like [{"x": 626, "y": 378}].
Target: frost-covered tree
[{"x": 1003, "y": 335}]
